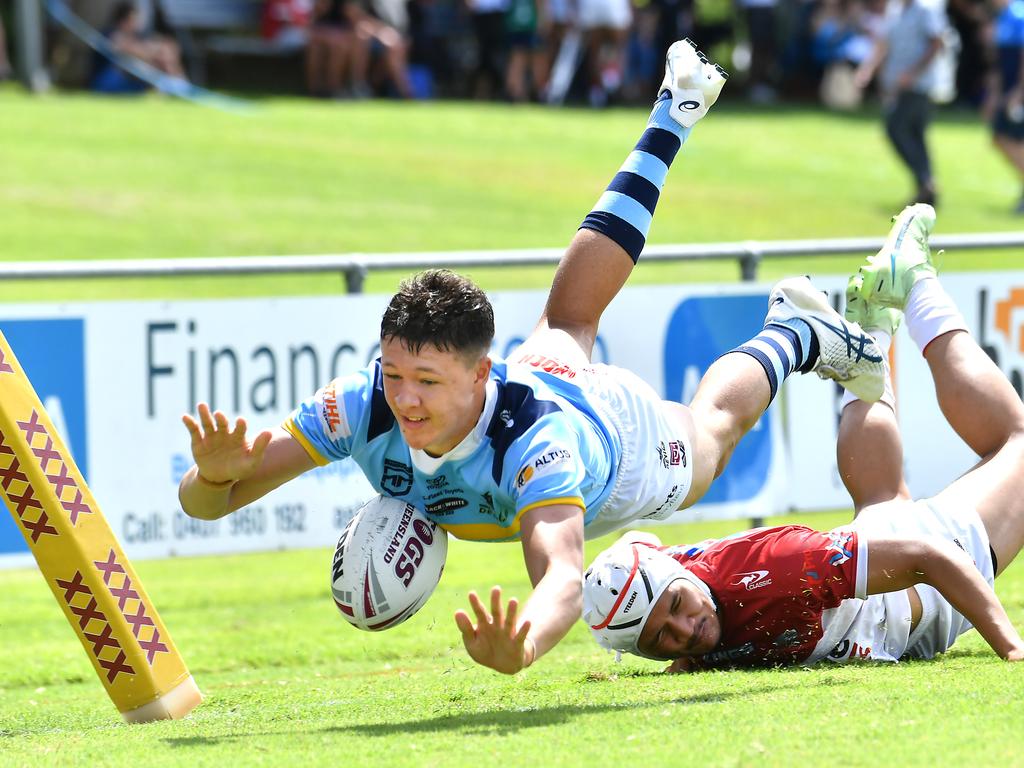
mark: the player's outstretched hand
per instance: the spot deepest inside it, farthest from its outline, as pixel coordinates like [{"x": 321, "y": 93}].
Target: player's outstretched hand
[
  {"x": 495, "y": 641},
  {"x": 222, "y": 454}
]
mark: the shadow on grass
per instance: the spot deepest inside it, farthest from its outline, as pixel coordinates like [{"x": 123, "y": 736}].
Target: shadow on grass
[{"x": 495, "y": 722}]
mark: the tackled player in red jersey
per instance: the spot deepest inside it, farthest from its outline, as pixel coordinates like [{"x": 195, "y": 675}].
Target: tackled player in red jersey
[{"x": 905, "y": 578}]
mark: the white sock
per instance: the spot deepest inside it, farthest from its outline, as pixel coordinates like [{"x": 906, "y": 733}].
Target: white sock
[
  {"x": 930, "y": 312},
  {"x": 884, "y": 342}
]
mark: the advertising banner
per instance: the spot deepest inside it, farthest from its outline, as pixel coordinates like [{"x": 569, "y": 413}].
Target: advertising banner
[{"x": 116, "y": 378}]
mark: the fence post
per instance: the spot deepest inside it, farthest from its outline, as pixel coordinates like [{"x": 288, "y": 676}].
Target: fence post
[
  {"x": 355, "y": 278},
  {"x": 29, "y": 45},
  {"x": 749, "y": 263}
]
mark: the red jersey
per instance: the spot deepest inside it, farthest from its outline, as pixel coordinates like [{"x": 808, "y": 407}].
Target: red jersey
[{"x": 771, "y": 586}]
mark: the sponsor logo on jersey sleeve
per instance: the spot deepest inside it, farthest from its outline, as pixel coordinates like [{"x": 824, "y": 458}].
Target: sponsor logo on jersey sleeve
[
  {"x": 542, "y": 465},
  {"x": 548, "y": 365},
  {"x": 333, "y": 414},
  {"x": 839, "y": 543}
]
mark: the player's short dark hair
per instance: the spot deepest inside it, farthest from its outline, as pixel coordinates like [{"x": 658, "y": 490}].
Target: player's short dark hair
[{"x": 443, "y": 309}]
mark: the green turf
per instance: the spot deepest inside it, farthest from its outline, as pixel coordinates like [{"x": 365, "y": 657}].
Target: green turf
[
  {"x": 289, "y": 683},
  {"x": 89, "y": 178}
]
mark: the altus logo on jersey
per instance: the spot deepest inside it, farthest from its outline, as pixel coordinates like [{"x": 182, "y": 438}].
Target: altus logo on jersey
[
  {"x": 751, "y": 580},
  {"x": 1001, "y": 332}
]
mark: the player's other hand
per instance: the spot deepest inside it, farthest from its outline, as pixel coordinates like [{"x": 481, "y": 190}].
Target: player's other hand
[
  {"x": 495, "y": 641},
  {"x": 223, "y": 454}
]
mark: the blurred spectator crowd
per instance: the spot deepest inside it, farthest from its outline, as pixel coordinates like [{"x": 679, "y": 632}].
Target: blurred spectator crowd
[
  {"x": 606, "y": 51},
  {"x": 910, "y": 53},
  {"x": 596, "y": 52}
]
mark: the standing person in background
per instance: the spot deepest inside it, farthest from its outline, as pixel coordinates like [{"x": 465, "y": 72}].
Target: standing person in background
[
  {"x": 903, "y": 56},
  {"x": 970, "y": 19},
  {"x": 761, "y": 21},
  {"x": 491, "y": 46},
  {"x": 527, "y": 68},
  {"x": 605, "y": 25},
  {"x": 1005, "y": 104}
]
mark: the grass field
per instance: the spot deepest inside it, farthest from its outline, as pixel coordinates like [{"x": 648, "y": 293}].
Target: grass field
[
  {"x": 287, "y": 682},
  {"x": 84, "y": 178}
]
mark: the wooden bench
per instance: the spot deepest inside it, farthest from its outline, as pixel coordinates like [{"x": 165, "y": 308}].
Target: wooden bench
[{"x": 223, "y": 27}]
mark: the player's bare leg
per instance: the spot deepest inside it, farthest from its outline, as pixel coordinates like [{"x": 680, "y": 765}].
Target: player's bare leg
[
  {"x": 984, "y": 410},
  {"x": 802, "y": 333},
  {"x": 869, "y": 450},
  {"x": 973, "y": 394},
  {"x": 733, "y": 394},
  {"x": 869, "y": 453},
  {"x": 608, "y": 244}
]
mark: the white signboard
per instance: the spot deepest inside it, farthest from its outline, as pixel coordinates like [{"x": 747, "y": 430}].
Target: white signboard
[{"x": 117, "y": 377}]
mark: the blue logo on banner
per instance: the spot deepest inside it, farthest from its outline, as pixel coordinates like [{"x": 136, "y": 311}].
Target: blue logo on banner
[
  {"x": 699, "y": 332},
  {"x": 52, "y": 354}
]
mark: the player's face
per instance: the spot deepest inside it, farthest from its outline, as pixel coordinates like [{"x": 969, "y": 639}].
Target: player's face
[
  {"x": 682, "y": 623},
  {"x": 436, "y": 396}
]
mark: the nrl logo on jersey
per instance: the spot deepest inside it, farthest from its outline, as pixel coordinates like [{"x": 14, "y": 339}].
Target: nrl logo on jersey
[{"x": 751, "y": 580}]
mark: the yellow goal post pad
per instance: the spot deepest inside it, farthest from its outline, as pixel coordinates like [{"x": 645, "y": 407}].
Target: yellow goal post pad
[{"x": 82, "y": 562}]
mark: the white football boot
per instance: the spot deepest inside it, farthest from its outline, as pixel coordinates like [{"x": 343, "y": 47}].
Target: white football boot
[
  {"x": 693, "y": 82},
  {"x": 845, "y": 353}
]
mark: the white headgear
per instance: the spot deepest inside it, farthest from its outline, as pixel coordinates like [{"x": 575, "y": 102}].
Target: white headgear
[{"x": 619, "y": 590}]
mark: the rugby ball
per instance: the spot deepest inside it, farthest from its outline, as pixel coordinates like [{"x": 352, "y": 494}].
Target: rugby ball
[{"x": 388, "y": 561}]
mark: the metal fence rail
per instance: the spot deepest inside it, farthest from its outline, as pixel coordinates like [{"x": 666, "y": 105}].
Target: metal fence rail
[{"x": 355, "y": 266}]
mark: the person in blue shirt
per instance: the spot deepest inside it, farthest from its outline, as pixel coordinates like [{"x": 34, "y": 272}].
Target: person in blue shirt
[
  {"x": 1004, "y": 106},
  {"x": 546, "y": 447}
]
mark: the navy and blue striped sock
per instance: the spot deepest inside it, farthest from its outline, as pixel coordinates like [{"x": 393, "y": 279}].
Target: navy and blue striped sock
[
  {"x": 625, "y": 210},
  {"x": 782, "y": 348}
]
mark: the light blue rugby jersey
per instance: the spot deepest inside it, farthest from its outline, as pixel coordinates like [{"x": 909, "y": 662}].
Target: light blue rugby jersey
[{"x": 538, "y": 442}]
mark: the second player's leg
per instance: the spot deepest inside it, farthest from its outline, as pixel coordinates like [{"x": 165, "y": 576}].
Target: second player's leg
[
  {"x": 869, "y": 454},
  {"x": 979, "y": 403},
  {"x": 973, "y": 394}
]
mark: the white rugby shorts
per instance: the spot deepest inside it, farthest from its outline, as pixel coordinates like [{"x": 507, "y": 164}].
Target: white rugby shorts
[
  {"x": 656, "y": 465},
  {"x": 940, "y": 624}
]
